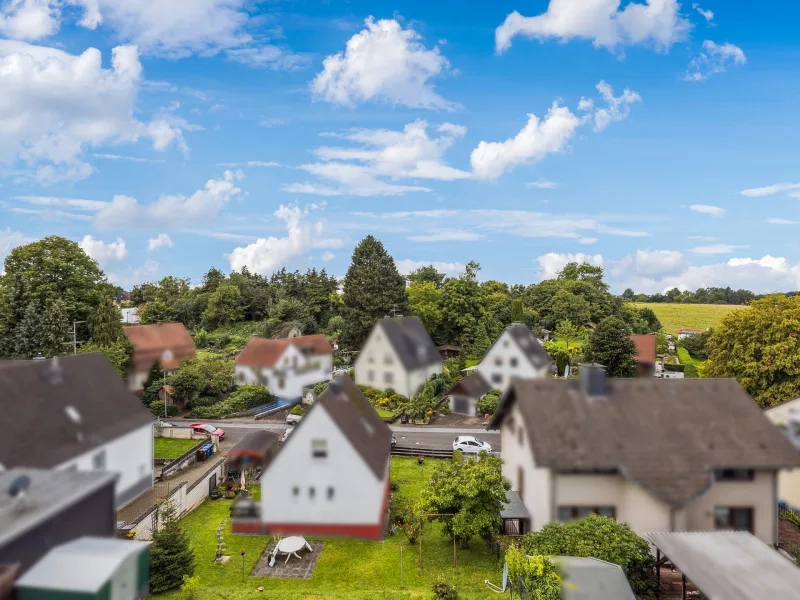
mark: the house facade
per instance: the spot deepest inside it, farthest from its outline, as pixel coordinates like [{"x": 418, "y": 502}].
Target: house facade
[
  {"x": 285, "y": 366},
  {"x": 671, "y": 464},
  {"x": 331, "y": 477},
  {"x": 165, "y": 343},
  {"x": 76, "y": 414},
  {"x": 398, "y": 355},
  {"x": 129, "y": 316},
  {"x": 465, "y": 394},
  {"x": 786, "y": 417},
  {"x": 645, "y": 355},
  {"x": 684, "y": 333},
  {"x": 515, "y": 353}
]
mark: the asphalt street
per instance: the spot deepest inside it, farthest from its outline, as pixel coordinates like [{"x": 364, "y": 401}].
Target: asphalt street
[{"x": 440, "y": 438}]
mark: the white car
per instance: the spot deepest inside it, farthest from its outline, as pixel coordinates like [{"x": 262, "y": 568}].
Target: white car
[
  {"x": 285, "y": 435},
  {"x": 470, "y": 445}
]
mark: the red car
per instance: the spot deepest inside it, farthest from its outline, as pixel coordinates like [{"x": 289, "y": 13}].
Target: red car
[{"x": 204, "y": 428}]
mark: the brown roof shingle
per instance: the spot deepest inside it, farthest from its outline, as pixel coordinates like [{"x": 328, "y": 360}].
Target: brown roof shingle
[
  {"x": 167, "y": 343},
  {"x": 667, "y": 435},
  {"x": 645, "y": 347},
  {"x": 263, "y": 352}
]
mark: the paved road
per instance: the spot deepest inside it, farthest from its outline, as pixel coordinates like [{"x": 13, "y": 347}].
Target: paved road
[{"x": 407, "y": 435}]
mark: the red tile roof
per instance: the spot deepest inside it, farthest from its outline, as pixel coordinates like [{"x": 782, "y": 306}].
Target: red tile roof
[
  {"x": 645, "y": 347},
  {"x": 167, "y": 343},
  {"x": 262, "y": 352}
]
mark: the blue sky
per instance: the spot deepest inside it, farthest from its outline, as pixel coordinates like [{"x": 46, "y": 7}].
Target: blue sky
[{"x": 657, "y": 139}]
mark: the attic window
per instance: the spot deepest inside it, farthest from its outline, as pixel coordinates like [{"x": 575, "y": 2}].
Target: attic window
[
  {"x": 73, "y": 414},
  {"x": 319, "y": 448}
]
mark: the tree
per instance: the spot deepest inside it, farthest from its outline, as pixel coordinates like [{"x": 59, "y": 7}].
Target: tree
[
  {"x": 602, "y": 538},
  {"x": 489, "y": 403},
  {"x": 653, "y": 324},
  {"x": 171, "y": 556},
  {"x": 537, "y": 576},
  {"x": 29, "y": 334},
  {"x": 427, "y": 274},
  {"x": 567, "y": 331},
  {"x": 610, "y": 345},
  {"x": 196, "y": 378},
  {"x": 372, "y": 289},
  {"x": 697, "y": 344},
  {"x": 55, "y": 329},
  {"x": 474, "y": 491},
  {"x": 566, "y": 306},
  {"x": 105, "y": 324},
  {"x": 517, "y": 313},
  {"x": 661, "y": 343},
  {"x": 628, "y": 294},
  {"x": 479, "y": 344},
  {"x": 155, "y": 311},
  {"x": 153, "y": 383},
  {"x": 13, "y": 302},
  {"x": 224, "y": 306},
  {"x": 462, "y": 303},
  {"x": 212, "y": 280},
  {"x": 425, "y": 302},
  {"x": 118, "y": 354},
  {"x": 760, "y": 347}
]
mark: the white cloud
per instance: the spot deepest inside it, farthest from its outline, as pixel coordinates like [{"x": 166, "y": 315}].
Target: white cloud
[
  {"x": 162, "y": 240},
  {"x": 777, "y": 221},
  {"x": 135, "y": 276},
  {"x": 550, "y": 135},
  {"x": 552, "y": 262},
  {"x": 383, "y": 154},
  {"x": 587, "y": 241},
  {"x": 708, "y": 15},
  {"x": 266, "y": 255},
  {"x": 11, "y": 239},
  {"x": 716, "y": 58},
  {"x": 448, "y": 235},
  {"x": 770, "y": 190},
  {"x": 542, "y": 184},
  {"x": 250, "y": 163},
  {"x": 49, "y": 214},
  {"x": 716, "y": 249},
  {"x": 122, "y": 211},
  {"x": 383, "y": 62},
  {"x": 54, "y": 105},
  {"x": 53, "y": 201},
  {"x": 327, "y": 256},
  {"x": 451, "y": 269},
  {"x": 651, "y": 264},
  {"x": 654, "y": 22},
  {"x": 137, "y": 159},
  {"x": 29, "y": 19},
  {"x": 104, "y": 252},
  {"x": 707, "y": 209}
]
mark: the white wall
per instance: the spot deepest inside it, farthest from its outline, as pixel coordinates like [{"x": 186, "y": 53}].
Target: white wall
[
  {"x": 130, "y": 455},
  {"x": 358, "y": 494},
  {"x": 504, "y": 350},
  {"x": 295, "y": 378},
  {"x": 536, "y": 492}
]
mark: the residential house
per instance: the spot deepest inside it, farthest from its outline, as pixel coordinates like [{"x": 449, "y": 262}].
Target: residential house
[
  {"x": 645, "y": 355},
  {"x": 254, "y": 451},
  {"x": 285, "y": 366},
  {"x": 332, "y": 475},
  {"x": 659, "y": 455},
  {"x": 515, "y": 353},
  {"x": 787, "y": 417},
  {"x": 130, "y": 316},
  {"x": 90, "y": 568},
  {"x": 449, "y": 351},
  {"x": 76, "y": 413},
  {"x": 398, "y": 355},
  {"x": 48, "y": 508},
  {"x": 465, "y": 394},
  {"x": 684, "y": 333},
  {"x": 165, "y": 343}
]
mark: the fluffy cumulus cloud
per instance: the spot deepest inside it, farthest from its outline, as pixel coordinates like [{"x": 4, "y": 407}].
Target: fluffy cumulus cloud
[
  {"x": 651, "y": 264},
  {"x": 380, "y": 157},
  {"x": 267, "y": 255},
  {"x": 162, "y": 240},
  {"x": 541, "y": 137},
  {"x": 9, "y": 240},
  {"x": 605, "y": 22},
  {"x": 791, "y": 189},
  {"x": 707, "y": 209},
  {"x": 552, "y": 262},
  {"x": 104, "y": 252},
  {"x": 715, "y": 58},
  {"x": 201, "y": 206},
  {"x": 716, "y": 249},
  {"x": 451, "y": 269},
  {"x": 383, "y": 62},
  {"x": 54, "y": 105}
]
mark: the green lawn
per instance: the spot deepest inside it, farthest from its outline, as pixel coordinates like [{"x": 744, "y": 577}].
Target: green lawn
[
  {"x": 171, "y": 447},
  {"x": 562, "y": 344},
  {"x": 346, "y": 569},
  {"x": 383, "y": 413},
  {"x": 688, "y": 316}
]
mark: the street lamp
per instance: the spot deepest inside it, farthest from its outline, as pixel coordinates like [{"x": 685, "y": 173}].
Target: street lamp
[{"x": 242, "y": 553}]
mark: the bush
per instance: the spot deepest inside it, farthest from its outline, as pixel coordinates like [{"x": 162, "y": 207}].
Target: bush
[
  {"x": 297, "y": 410},
  {"x": 675, "y": 368},
  {"x": 217, "y": 411},
  {"x": 157, "y": 408},
  {"x": 201, "y": 338},
  {"x": 191, "y": 587},
  {"x": 203, "y": 401},
  {"x": 247, "y": 397},
  {"x": 402, "y": 516},
  {"x": 602, "y": 538},
  {"x": 196, "y": 378},
  {"x": 444, "y": 591},
  {"x": 488, "y": 404},
  {"x": 690, "y": 371}
]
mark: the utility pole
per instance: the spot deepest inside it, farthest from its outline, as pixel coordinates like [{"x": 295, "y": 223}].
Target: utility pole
[
  {"x": 394, "y": 311},
  {"x": 74, "y": 343}
]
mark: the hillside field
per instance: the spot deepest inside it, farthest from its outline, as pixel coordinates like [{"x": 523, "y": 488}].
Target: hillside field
[{"x": 688, "y": 316}]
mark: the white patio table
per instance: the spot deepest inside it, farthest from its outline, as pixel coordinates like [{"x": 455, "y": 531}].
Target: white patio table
[{"x": 291, "y": 545}]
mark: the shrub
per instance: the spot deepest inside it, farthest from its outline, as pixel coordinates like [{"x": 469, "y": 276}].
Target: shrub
[
  {"x": 247, "y": 397},
  {"x": 157, "y": 408},
  {"x": 690, "y": 371},
  {"x": 201, "y": 338},
  {"x": 444, "y": 591},
  {"x": 488, "y": 404},
  {"x": 217, "y": 411},
  {"x": 297, "y": 410},
  {"x": 203, "y": 401},
  {"x": 191, "y": 587},
  {"x": 675, "y": 368},
  {"x": 402, "y": 516},
  {"x": 537, "y": 575},
  {"x": 195, "y": 378}
]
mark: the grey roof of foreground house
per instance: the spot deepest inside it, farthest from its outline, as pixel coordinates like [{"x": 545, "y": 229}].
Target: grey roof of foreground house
[
  {"x": 734, "y": 565},
  {"x": 49, "y": 494},
  {"x": 593, "y": 579},
  {"x": 62, "y": 408},
  {"x": 411, "y": 342},
  {"x": 668, "y": 436},
  {"x": 531, "y": 348}
]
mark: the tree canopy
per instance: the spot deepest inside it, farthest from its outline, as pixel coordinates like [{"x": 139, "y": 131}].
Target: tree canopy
[{"x": 610, "y": 345}]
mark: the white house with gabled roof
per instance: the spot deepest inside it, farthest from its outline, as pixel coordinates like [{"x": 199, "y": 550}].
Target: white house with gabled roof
[{"x": 515, "y": 353}]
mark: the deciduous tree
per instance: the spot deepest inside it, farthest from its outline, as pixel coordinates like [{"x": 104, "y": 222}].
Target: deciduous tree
[
  {"x": 55, "y": 329},
  {"x": 224, "y": 306},
  {"x": 105, "y": 323},
  {"x": 610, "y": 345},
  {"x": 425, "y": 302},
  {"x": 537, "y": 576}
]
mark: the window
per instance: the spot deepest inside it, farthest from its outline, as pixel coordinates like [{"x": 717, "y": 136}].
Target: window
[
  {"x": 505, "y": 344},
  {"x": 520, "y": 483},
  {"x": 734, "y": 474},
  {"x": 388, "y": 377},
  {"x": 99, "y": 460},
  {"x": 520, "y": 436},
  {"x": 281, "y": 383},
  {"x": 295, "y": 491},
  {"x": 241, "y": 378},
  {"x": 737, "y": 519},
  {"x": 371, "y": 359},
  {"x": 370, "y": 375},
  {"x": 312, "y": 493},
  {"x": 387, "y": 360},
  {"x": 330, "y": 493},
  {"x": 497, "y": 378},
  {"x": 498, "y": 361},
  {"x": 319, "y": 448},
  {"x": 294, "y": 361},
  {"x": 568, "y": 513},
  {"x": 513, "y": 362}
]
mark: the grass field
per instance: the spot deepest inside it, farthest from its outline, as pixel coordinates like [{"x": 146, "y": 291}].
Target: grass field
[
  {"x": 689, "y": 316},
  {"x": 346, "y": 569},
  {"x": 171, "y": 447}
]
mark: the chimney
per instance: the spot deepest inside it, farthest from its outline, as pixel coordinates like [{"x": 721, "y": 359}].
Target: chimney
[
  {"x": 54, "y": 374},
  {"x": 593, "y": 380},
  {"x": 335, "y": 387}
]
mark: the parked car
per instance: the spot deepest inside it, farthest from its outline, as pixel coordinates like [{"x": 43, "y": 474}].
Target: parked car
[
  {"x": 293, "y": 419},
  {"x": 160, "y": 423},
  {"x": 394, "y": 441},
  {"x": 470, "y": 445},
  {"x": 205, "y": 428},
  {"x": 285, "y": 435}
]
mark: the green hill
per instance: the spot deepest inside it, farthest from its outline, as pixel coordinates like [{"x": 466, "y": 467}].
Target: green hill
[{"x": 689, "y": 316}]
